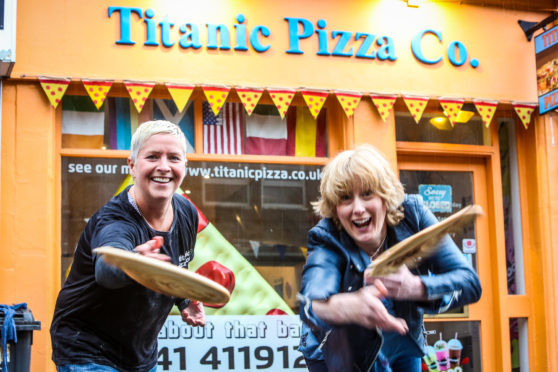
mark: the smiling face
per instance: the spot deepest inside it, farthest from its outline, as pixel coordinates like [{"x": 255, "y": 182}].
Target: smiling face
[
  {"x": 159, "y": 168},
  {"x": 363, "y": 216}
]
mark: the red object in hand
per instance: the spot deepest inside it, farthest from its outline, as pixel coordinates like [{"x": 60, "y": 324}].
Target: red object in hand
[
  {"x": 220, "y": 274},
  {"x": 158, "y": 241}
]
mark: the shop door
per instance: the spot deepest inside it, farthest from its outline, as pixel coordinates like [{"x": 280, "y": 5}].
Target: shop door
[{"x": 448, "y": 184}]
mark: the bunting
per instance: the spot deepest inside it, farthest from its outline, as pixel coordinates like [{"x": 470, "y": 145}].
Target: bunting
[
  {"x": 451, "y": 107},
  {"x": 315, "y": 101},
  {"x": 524, "y": 111},
  {"x": 216, "y": 96},
  {"x": 486, "y": 110},
  {"x": 139, "y": 93},
  {"x": 97, "y": 90},
  {"x": 348, "y": 101},
  {"x": 282, "y": 99},
  {"x": 54, "y": 89},
  {"x": 416, "y": 106},
  {"x": 180, "y": 94},
  {"x": 249, "y": 98},
  {"x": 384, "y": 104}
]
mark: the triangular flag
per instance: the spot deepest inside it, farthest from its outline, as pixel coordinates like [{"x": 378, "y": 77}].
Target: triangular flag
[
  {"x": 348, "y": 101},
  {"x": 384, "y": 104},
  {"x": 139, "y": 93},
  {"x": 282, "y": 99},
  {"x": 249, "y": 98},
  {"x": 451, "y": 107},
  {"x": 97, "y": 91},
  {"x": 315, "y": 100},
  {"x": 216, "y": 96},
  {"x": 180, "y": 94},
  {"x": 524, "y": 111},
  {"x": 416, "y": 106},
  {"x": 54, "y": 89},
  {"x": 486, "y": 110}
]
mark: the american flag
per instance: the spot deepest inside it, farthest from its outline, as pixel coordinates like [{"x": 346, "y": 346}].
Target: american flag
[{"x": 223, "y": 134}]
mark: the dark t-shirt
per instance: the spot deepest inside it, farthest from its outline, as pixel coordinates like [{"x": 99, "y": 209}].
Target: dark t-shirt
[{"x": 117, "y": 326}]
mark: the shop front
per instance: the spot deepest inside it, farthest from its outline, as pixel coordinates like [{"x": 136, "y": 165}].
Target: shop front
[{"x": 266, "y": 94}]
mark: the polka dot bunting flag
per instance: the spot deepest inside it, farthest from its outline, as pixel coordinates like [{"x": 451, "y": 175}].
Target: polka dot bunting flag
[
  {"x": 54, "y": 89},
  {"x": 524, "y": 111},
  {"x": 180, "y": 94},
  {"x": 139, "y": 93},
  {"x": 216, "y": 96},
  {"x": 384, "y": 104},
  {"x": 348, "y": 101},
  {"x": 97, "y": 91},
  {"x": 249, "y": 98},
  {"x": 486, "y": 110},
  {"x": 315, "y": 101},
  {"x": 282, "y": 99},
  {"x": 416, "y": 106},
  {"x": 451, "y": 107}
]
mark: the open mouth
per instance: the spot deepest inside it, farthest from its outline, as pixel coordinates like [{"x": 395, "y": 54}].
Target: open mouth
[
  {"x": 161, "y": 179},
  {"x": 362, "y": 223}
]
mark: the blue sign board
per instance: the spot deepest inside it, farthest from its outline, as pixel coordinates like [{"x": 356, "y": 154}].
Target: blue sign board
[
  {"x": 546, "y": 50},
  {"x": 436, "y": 197}
]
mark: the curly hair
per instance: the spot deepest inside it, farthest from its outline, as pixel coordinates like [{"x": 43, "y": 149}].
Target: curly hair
[{"x": 366, "y": 167}]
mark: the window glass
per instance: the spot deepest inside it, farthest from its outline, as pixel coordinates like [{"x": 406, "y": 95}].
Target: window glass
[
  {"x": 435, "y": 127},
  {"x": 112, "y": 126}
]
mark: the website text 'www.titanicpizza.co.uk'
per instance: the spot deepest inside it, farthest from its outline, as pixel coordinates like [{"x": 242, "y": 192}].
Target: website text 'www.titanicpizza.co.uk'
[{"x": 263, "y": 173}]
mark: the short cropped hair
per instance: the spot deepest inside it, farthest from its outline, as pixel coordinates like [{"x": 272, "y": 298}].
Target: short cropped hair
[
  {"x": 363, "y": 166},
  {"x": 150, "y": 128}
]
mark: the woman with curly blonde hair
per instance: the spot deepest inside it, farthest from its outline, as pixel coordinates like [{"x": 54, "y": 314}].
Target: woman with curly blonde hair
[{"x": 355, "y": 322}]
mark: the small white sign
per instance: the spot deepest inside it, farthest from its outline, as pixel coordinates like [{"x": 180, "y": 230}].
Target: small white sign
[{"x": 469, "y": 246}]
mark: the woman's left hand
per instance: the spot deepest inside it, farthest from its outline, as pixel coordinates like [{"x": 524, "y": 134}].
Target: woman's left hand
[
  {"x": 194, "y": 314},
  {"x": 401, "y": 285}
]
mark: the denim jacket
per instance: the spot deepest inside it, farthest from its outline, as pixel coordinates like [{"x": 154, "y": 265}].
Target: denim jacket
[{"x": 335, "y": 265}]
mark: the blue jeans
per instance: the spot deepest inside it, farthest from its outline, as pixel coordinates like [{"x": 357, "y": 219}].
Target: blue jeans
[
  {"x": 381, "y": 365},
  {"x": 90, "y": 367}
]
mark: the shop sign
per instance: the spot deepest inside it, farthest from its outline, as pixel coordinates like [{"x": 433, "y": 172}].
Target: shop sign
[
  {"x": 161, "y": 31},
  {"x": 546, "y": 51},
  {"x": 231, "y": 343},
  {"x": 436, "y": 197}
]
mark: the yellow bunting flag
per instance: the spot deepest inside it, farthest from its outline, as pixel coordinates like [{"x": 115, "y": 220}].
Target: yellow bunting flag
[
  {"x": 282, "y": 99},
  {"x": 348, "y": 101},
  {"x": 416, "y": 106},
  {"x": 486, "y": 110},
  {"x": 249, "y": 98},
  {"x": 180, "y": 94},
  {"x": 54, "y": 89},
  {"x": 139, "y": 93},
  {"x": 451, "y": 107},
  {"x": 97, "y": 91},
  {"x": 216, "y": 96},
  {"x": 524, "y": 111},
  {"x": 384, "y": 104},
  {"x": 315, "y": 100}
]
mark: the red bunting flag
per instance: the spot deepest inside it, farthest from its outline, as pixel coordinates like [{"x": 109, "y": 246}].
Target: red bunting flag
[
  {"x": 97, "y": 90},
  {"x": 486, "y": 110},
  {"x": 139, "y": 93},
  {"x": 249, "y": 98},
  {"x": 451, "y": 107},
  {"x": 180, "y": 94},
  {"x": 349, "y": 101},
  {"x": 282, "y": 99},
  {"x": 416, "y": 106},
  {"x": 216, "y": 96},
  {"x": 524, "y": 111},
  {"x": 54, "y": 89},
  {"x": 315, "y": 100},
  {"x": 384, "y": 104}
]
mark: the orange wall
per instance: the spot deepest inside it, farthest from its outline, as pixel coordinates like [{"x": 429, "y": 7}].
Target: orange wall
[{"x": 77, "y": 39}]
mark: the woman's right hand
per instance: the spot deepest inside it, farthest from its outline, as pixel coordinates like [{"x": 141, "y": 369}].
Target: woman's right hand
[
  {"x": 363, "y": 307},
  {"x": 151, "y": 248}
]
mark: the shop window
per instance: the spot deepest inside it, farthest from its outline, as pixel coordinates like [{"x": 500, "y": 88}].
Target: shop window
[
  {"x": 112, "y": 126},
  {"x": 519, "y": 345},
  {"x": 512, "y": 208},
  {"x": 434, "y": 126},
  {"x": 264, "y": 132}
]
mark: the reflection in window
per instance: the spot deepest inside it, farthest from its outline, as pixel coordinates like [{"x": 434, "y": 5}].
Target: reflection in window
[
  {"x": 519, "y": 345},
  {"x": 435, "y": 127},
  {"x": 111, "y": 127}
]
